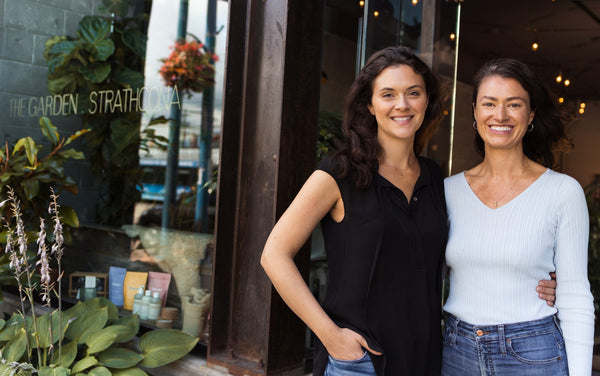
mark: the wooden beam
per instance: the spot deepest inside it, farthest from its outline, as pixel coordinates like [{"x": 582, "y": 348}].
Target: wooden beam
[{"x": 268, "y": 149}]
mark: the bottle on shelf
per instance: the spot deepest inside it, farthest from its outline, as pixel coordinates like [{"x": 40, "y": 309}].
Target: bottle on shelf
[
  {"x": 155, "y": 306},
  {"x": 145, "y": 305},
  {"x": 137, "y": 300}
]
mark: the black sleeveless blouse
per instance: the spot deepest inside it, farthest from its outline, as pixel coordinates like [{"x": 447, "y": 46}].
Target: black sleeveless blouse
[{"x": 385, "y": 263}]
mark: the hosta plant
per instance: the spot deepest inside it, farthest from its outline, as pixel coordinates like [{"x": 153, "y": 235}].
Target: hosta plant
[{"x": 87, "y": 339}]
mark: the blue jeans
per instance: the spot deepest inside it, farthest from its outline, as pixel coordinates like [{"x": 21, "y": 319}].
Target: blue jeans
[
  {"x": 357, "y": 367},
  {"x": 528, "y": 348}
]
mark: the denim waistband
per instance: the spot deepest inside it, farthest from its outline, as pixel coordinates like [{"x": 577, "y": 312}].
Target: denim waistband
[{"x": 494, "y": 332}]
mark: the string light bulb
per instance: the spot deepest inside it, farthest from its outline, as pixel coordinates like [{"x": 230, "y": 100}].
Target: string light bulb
[
  {"x": 582, "y": 105},
  {"x": 581, "y": 110},
  {"x": 452, "y": 36},
  {"x": 559, "y": 78},
  {"x": 535, "y": 45},
  {"x": 361, "y": 3},
  {"x": 376, "y": 14},
  {"x": 561, "y": 100},
  {"x": 567, "y": 82},
  {"x": 415, "y": 2}
]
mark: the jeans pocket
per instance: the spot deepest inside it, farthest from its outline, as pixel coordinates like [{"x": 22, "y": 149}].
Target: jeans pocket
[
  {"x": 354, "y": 367},
  {"x": 449, "y": 335},
  {"x": 539, "y": 348}
]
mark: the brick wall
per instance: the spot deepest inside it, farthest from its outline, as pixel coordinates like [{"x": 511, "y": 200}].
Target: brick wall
[{"x": 25, "y": 25}]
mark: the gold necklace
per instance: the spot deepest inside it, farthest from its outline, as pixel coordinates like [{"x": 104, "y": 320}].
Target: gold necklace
[
  {"x": 399, "y": 171},
  {"x": 509, "y": 190}
]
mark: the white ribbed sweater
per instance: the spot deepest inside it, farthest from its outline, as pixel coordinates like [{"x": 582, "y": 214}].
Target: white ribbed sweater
[{"x": 497, "y": 256}]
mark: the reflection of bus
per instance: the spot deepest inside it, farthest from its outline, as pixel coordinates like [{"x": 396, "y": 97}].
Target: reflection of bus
[{"x": 153, "y": 180}]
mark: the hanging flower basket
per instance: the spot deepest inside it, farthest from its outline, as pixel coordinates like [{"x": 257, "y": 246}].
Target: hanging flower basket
[{"x": 189, "y": 67}]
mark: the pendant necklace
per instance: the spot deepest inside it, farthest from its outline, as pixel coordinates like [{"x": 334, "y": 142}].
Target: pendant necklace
[{"x": 496, "y": 203}]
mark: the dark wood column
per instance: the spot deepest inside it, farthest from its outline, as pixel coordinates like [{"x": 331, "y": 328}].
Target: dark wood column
[{"x": 268, "y": 143}]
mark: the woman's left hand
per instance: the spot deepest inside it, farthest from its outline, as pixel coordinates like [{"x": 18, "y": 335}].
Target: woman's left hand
[{"x": 547, "y": 290}]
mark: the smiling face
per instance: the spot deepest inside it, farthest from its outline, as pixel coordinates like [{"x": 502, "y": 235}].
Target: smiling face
[
  {"x": 502, "y": 112},
  {"x": 399, "y": 102}
]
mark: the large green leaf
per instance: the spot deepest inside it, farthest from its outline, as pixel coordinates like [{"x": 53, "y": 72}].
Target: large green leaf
[
  {"x": 2, "y": 322},
  {"x": 69, "y": 216},
  {"x": 87, "y": 324},
  {"x": 130, "y": 321},
  {"x": 65, "y": 84},
  {"x": 61, "y": 54},
  {"x": 76, "y": 311},
  {"x": 100, "y": 371},
  {"x": 31, "y": 149},
  {"x": 95, "y": 73},
  {"x": 67, "y": 354},
  {"x": 54, "y": 371},
  {"x": 84, "y": 364},
  {"x": 49, "y": 324},
  {"x": 49, "y": 130},
  {"x": 12, "y": 327},
  {"x": 16, "y": 347},
  {"x": 163, "y": 346},
  {"x": 136, "y": 41},
  {"x": 119, "y": 358},
  {"x": 101, "y": 302},
  {"x": 95, "y": 32},
  {"x": 104, "y": 338},
  {"x": 129, "y": 372},
  {"x": 31, "y": 187}
]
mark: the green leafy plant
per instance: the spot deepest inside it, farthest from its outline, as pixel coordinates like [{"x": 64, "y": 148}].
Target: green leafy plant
[
  {"x": 330, "y": 133},
  {"x": 31, "y": 172},
  {"x": 106, "y": 56},
  {"x": 86, "y": 339}
]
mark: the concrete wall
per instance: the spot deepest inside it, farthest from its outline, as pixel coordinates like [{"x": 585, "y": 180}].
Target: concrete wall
[{"x": 25, "y": 25}]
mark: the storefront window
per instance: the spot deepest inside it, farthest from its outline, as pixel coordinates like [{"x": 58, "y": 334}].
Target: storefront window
[{"x": 103, "y": 66}]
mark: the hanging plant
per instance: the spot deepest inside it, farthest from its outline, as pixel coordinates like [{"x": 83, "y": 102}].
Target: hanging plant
[{"x": 189, "y": 67}]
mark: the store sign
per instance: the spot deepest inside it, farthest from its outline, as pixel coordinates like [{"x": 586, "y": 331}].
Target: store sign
[{"x": 152, "y": 99}]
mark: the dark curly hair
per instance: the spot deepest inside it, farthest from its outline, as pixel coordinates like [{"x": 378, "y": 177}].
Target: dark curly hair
[
  {"x": 360, "y": 152},
  {"x": 548, "y": 134}
]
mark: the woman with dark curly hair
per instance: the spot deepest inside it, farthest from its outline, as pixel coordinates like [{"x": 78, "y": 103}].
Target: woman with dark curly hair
[
  {"x": 384, "y": 224},
  {"x": 383, "y": 219},
  {"x": 512, "y": 221}
]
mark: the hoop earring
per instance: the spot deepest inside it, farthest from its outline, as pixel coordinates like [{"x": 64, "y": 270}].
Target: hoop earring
[
  {"x": 530, "y": 127},
  {"x": 475, "y": 124}
]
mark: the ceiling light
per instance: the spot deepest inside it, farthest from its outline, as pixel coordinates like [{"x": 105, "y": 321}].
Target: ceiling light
[
  {"x": 415, "y": 2},
  {"x": 581, "y": 110},
  {"x": 535, "y": 46},
  {"x": 561, "y": 100},
  {"x": 376, "y": 14},
  {"x": 582, "y": 105},
  {"x": 361, "y": 3},
  {"x": 452, "y": 36},
  {"x": 567, "y": 82}
]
